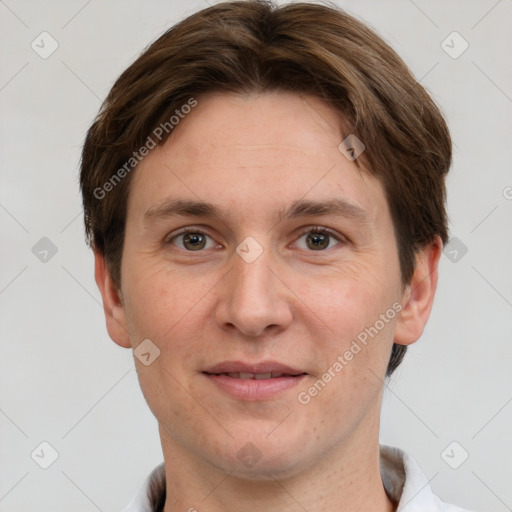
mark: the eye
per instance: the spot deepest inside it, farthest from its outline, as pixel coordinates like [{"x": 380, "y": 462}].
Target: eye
[
  {"x": 318, "y": 239},
  {"x": 190, "y": 239}
]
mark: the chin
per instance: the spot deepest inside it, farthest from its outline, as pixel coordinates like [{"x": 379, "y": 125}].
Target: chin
[{"x": 270, "y": 462}]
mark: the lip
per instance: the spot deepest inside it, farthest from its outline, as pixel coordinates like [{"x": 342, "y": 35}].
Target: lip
[
  {"x": 250, "y": 389},
  {"x": 263, "y": 367}
]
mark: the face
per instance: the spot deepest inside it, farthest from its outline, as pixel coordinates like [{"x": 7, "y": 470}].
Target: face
[{"x": 262, "y": 264}]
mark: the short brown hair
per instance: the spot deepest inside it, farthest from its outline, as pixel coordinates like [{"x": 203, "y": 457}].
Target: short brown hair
[{"x": 255, "y": 46}]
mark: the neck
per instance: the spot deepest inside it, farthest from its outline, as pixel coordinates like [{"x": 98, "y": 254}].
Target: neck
[{"x": 345, "y": 480}]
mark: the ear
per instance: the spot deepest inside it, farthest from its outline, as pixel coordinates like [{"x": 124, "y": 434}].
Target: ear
[
  {"x": 418, "y": 297},
  {"x": 112, "y": 303}
]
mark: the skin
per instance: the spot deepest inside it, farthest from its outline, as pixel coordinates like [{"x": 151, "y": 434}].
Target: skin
[{"x": 253, "y": 156}]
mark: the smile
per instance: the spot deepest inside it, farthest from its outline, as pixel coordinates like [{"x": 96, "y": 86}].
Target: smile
[{"x": 253, "y": 382}]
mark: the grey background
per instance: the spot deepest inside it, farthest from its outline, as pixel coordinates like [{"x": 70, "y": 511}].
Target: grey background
[{"x": 64, "y": 382}]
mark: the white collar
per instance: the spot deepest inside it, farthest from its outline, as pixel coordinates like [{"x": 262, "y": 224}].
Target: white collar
[{"x": 403, "y": 480}]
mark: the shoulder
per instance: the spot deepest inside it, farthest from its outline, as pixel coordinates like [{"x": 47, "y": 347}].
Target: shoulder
[
  {"x": 151, "y": 496},
  {"x": 407, "y": 485}
]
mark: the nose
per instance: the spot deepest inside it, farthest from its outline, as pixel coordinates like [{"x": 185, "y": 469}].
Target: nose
[{"x": 254, "y": 299}]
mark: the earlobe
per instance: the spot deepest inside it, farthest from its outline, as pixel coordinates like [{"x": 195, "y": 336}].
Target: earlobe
[
  {"x": 112, "y": 304},
  {"x": 418, "y": 296}
]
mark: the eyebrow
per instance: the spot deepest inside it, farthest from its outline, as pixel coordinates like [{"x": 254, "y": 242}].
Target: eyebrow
[{"x": 301, "y": 208}]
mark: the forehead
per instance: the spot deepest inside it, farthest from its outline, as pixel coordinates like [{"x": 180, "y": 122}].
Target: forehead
[
  {"x": 260, "y": 152},
  {"x": 257, "y": 126}
]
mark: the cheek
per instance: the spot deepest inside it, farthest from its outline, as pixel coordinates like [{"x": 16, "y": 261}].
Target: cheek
[
  {"x": 166, "y": 308},
  {"x": 356, "y": 307},
  {"x": 347, "y": 300},
  {"x": 158, "y": 300}
]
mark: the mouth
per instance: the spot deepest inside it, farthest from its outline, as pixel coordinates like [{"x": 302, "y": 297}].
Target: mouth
[
  {"x": 253, "y": 382},
  {"x": 255, "y": 376}
]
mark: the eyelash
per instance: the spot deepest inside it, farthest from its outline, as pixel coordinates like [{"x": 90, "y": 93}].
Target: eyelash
[
  {"x": 323, "y": 231},
  {"x": 309, "y": 229}
]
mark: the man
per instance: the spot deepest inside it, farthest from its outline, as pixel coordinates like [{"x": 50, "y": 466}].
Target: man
[{"x": 264, "y": 193}]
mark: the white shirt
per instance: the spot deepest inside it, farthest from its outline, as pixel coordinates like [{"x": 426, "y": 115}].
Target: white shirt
[{"x": 403, "y": 480}]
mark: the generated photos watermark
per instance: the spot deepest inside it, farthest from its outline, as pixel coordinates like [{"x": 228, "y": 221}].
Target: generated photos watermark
[
  {"x": 361, "y": 340},
  {"x": 152, "y": 141}
]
